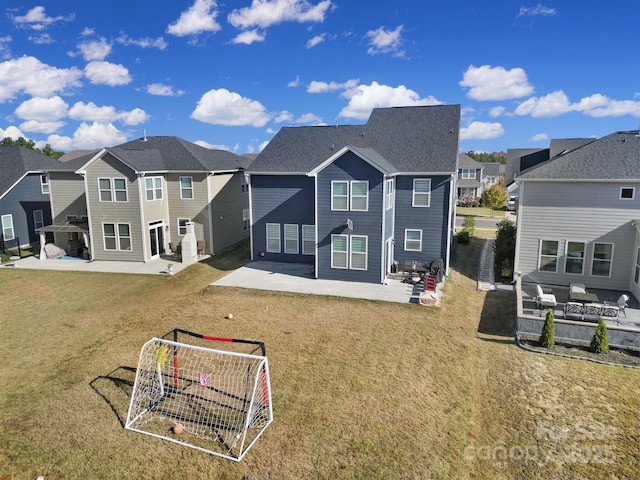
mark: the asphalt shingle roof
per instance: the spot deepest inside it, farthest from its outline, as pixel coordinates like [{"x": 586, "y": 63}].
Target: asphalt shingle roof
[
  {"x": 15, "y": 161},
  {"x": 614, "y": 157},
  {"x": 167, "y": 153},
  {"x": 412, "y": 139}
]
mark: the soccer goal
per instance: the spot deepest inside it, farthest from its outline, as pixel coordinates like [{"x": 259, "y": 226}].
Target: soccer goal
[{"x": 217, "y": 401}]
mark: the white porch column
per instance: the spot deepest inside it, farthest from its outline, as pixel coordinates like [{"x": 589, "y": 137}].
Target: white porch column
[{"x": 43, "y": 241}]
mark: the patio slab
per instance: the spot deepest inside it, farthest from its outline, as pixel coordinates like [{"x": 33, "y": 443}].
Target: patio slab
[{"x": 297, "y": 278}]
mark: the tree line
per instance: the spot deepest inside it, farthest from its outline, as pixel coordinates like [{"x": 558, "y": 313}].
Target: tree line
[{"x": 31, "y": 145}]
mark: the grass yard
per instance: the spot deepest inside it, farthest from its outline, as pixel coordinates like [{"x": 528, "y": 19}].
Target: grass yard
[{"x": 361, "y": 389}]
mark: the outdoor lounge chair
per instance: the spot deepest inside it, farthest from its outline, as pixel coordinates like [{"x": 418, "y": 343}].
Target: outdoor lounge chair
[
  {"x": 622, "y": 303},
  {"x": 545, "y": 300}
]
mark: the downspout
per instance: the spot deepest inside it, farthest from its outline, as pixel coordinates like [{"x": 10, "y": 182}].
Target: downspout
[
  {"x": 248, "y": 177},
  {"x": 144, "y": 228},
  {"x": 451, "y": 220},
  {"x": 516, "y": 262},
  {"x": 210, "y": 208},
  {"x": 88, "y": 205}
]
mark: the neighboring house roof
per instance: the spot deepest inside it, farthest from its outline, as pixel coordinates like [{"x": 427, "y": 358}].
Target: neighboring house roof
[
  {"x": 560, "y": 146},
  {"x": 168, "y": 153},
  {"x": 519, "y": 159},
  {"x": 17, "y": 161},
  {"x": 77, "y": 153},
  {"x": 465, "y": 161},
  {"x": 614, "y": 157},
  {"x": 409, "y": 139}
]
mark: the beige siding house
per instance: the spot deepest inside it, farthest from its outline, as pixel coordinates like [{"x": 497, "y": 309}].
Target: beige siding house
[
  {"x": 139, "y": 196},
  {"x": 578, "y": 219}
]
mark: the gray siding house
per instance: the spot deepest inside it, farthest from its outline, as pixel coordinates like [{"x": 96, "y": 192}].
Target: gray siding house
[
  {"x": 579, "y": 216},
  {"x": 137, "y": 198},
  {"x": 349, "y": 200},
  {"x": 24, "y": 194},
  {"x": 470, "y": 177}
]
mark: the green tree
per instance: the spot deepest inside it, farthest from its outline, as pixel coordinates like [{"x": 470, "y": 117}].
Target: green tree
[
  {"x": 504, "y": 247},
  {"x": 547, "y": 339},
  {"x": 469, "y": 225},
  {"x": 31, "y": 145},
  {"x": 495, "y": 197},
  {"x": 599, "y": 342}
]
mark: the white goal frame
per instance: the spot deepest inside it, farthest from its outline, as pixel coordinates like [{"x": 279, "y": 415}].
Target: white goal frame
[{"x": 222, "y": 399}]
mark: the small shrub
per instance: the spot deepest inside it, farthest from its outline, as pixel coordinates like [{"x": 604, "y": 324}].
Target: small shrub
[
  {"x": 599, "y": 343},
  {"x": 548, "y": 331},
  {"x": 463, "y": 237},
  {"x": 469, "y": 225}
]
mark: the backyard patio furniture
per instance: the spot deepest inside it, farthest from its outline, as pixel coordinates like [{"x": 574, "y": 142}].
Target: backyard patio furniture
[
  {"x": 573, "y": 311},
  {"x": 578, "y": 293},
  {"x": 545, "y": 300},
  {"x": 590, "y": 312},
  {"x": 621, "y": 304}
]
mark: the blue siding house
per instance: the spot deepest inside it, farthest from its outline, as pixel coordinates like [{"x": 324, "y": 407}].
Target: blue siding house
[
  {"x": 24, "y": 194},
  {"x": 350, "y": 200}
]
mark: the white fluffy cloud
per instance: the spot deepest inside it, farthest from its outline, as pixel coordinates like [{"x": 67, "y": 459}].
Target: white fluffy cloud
[
  {"x": 29, "y": 75},
  {"x": 496, "y": 83},
  {"x": 12, "y": 132},
  {"x": 42, "y": 109},
  {"x": 37, "y": 19},
  {"x": 558, "y": 103},
  {"x": 265, "y": 13},
  {"x": 363, "y": 98},
  {"x": 95, "y": 50},
  {"x": 41, "y": 127},
  {"x": 248, "y": 37},
  {"x": 97, "y": 135},
  {"x": 323, "y": 87},
  {"x": 106, "y": 114},
  {"x": 385, "y": 41},
  {"x": 106, "y": 73},
  {"x": 539, "y": 137},
  {"x": 163, "y": 90},
  {"x": 222, "y": 107},
  {"x": 481, "y": 131},
  {"x": 201, "y": 17}
]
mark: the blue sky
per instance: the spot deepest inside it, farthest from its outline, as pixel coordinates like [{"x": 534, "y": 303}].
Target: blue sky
[{"x": 83, "y": 75}]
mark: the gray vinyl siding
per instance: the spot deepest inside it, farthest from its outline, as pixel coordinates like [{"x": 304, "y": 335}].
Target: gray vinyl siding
[
  {"x": 432, "y": 220},
  {"x": 114, "y": 212},
  {"x": 67, "y": 196},
  {"x": 284, "y": 200},
  {"x": 227, "y": 204},
  {"x": 195, "y": 209},
  {"x": 579, "y": 212},
  {"x": 20, "y": 202},
  {"x": 350, "y": 167}
]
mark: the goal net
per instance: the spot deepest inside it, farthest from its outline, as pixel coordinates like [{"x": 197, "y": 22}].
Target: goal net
[{"x": 216, "y": 401}]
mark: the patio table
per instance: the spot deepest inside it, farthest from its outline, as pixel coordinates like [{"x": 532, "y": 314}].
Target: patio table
[{"x": 584, "y": 297}]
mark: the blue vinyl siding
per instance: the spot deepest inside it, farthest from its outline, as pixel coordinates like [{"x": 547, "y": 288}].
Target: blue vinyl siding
[
  {"x": 281, "y": 199},
  {"x": 350, "y": 167},
  {"x": 20, "y": 203},
  {"x": 431, "y": 220}
]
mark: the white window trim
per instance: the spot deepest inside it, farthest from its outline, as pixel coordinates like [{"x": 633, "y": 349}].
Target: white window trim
[
  {"x": 352, "y": 253},
  {"x": 36, "y": 223},
  {"x": 413, "y": 198},
  {"x": 183, "y": 188},
  {"x": 351, "y": 196},
  {"x": 115, "y": 190},
  {"x": 279, "y": 238},
  {"x": 389, "y": 193},
  {"x": 566, "y": 256},
  {"x": 182, "y": 227},
  {"x": 405, "y": 240},
  {"x": 100, "y": 189},
  {"x": 346, "y": 196},
  {"x": 346, "y": 252},
  {"x": 244, "y": 183},
  {"x": 468, "y": 173},
  {"x": 540, "y": 255},
  {"x": 308, "y": 235},
  {"x": 593, "y": 258},
  {"x": 2, "y": 224},
  {"x": 117, "y": 237},
  {"x": 153, "y": 189},
  {"x": 45, "y": 185},
  {"x": 288, "y": 227},
  {"x": 633, "y": 193}
]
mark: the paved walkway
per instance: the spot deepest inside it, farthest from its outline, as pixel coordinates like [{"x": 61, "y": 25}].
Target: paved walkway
[{"x": 486, "y": 275}]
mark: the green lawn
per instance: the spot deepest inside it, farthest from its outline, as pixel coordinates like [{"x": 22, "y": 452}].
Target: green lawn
[
  {"x": 479, "y": 211},
  {"x": 361, "y": 389}
]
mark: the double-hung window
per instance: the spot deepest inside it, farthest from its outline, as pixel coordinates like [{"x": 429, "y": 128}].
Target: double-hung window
[
  {"x": 339, "y": 195},
  {"x": 389, "y": 193},
  {"x": 358, "y": 260},
  {"x": 273, "y": 238},
  {"x": 602, "y": 259},
  {"x": 421, "y": 192},
  {"x": 7, "y": 227},
  {"x": 413, "y": 240},
  {"x": 468, "y": 173},
  {"x": 112, "y": 189},
  {"x": 153, "y": 187},
  {"x": 38, "y": 219},
  {"x": 44, "y": 183},
  {"x": 116, "y": 236},
  {"x": 308, "y": 239},
  {"x": 244, "y": 183},
  {"x": 339, "y": 251},
  {"x": 291, "y": 240},
  {"x": 359, "y": 196},
  {"x": 182, "y": 226},
  {"x": 574, "y": 258},
  {"x": 186, "y": 188},
  {"x": 548, "y": 258}
]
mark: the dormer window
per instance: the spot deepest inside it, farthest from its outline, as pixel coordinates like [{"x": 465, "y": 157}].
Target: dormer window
[{"x": 44, "y": 183}]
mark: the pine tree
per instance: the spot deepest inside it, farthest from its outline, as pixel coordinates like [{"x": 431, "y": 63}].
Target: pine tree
[
  {"x": 548, "y": 331},
  {"x": 599, "y": 343}
]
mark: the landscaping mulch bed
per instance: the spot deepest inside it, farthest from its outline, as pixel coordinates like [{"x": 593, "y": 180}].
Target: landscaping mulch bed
[{"x": 624, "y": 358}]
